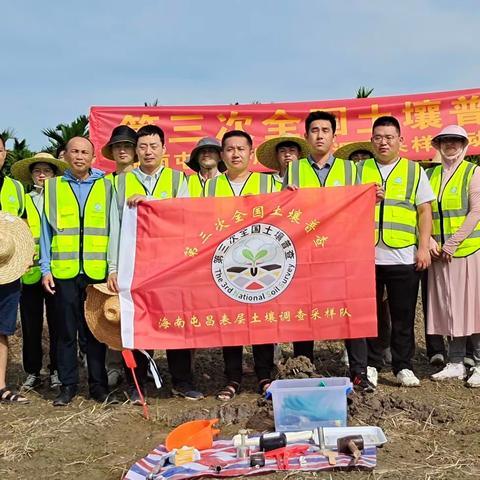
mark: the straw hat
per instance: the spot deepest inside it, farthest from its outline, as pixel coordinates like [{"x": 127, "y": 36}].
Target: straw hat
[
  {"x": 102, "y": 312},
  {"x": 21, "y": 169},
  {"x": 16, "y": 248},
  {"x": 267, "y": 155},
  {"x": 345, "y": 151}
]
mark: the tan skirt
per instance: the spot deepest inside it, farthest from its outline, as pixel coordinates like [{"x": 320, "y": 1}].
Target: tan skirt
[{"x": 454, "y": 297}]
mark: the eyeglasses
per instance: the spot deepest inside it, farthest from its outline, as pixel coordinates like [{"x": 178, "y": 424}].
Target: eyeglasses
[{"x": 387, "y": 138}]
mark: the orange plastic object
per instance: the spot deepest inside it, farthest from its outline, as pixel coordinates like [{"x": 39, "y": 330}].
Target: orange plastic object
[{"x": 197, "y": 433}]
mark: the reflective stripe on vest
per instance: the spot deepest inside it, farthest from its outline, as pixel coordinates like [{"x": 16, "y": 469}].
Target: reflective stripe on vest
[
  {"x": 396, "y": 216},
  {"x": 78, "y": 242},
  {"x": 195, "y": 185},
  {"x": 12, "y": 197},
  {"x": 256, "y": 183},
  {"x": 450, "y": 212},
  {"x": 167, "y": 186},
  {"x": 34, "y": 274},
  {"x": 301, "y": 173}
]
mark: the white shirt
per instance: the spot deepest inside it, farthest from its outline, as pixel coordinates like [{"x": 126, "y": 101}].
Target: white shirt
[{"x": 402, "y": 256}]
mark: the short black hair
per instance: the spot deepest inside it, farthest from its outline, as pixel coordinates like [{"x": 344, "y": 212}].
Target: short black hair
[
  {"x": 59, "y": 150},
  {"x": 53, "y": 167},
  {"x": 288, "y": 144},
  {"x": 386, "y": 121},
  {"x": 79, "y": 136},
  {"x": 320, "y": 115},
  {"x": 3, "y": 141},
  {"x": 361, "y": 151},
  {"x": 151, "y": 130},
  {"x": 237, "y": 133}
]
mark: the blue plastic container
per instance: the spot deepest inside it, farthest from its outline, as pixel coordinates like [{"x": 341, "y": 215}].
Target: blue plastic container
[{"x": 308, "y": 403}]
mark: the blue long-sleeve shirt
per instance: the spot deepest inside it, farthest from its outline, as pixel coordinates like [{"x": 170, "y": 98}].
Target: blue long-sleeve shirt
[{"x": 81, "y": 189}]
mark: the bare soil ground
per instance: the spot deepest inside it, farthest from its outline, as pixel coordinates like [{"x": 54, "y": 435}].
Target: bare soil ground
[{"x": 433, "y": 430}]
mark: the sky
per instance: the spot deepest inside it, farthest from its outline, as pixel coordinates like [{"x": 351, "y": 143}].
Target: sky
[{"x": 59, "y": 58}]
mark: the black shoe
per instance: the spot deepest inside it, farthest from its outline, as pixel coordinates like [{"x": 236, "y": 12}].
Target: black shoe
[
  {"x": 362, "y": 383},
  {"x": 186, "y": 390},
  {"x": 104, "y": 397},
  {"x": 133, "y": 395},
  {"x": 65, "y": 396}
]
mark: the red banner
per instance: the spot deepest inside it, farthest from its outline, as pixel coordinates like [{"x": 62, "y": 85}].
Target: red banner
[
  {"x": 268, "y": 268},
  {"x": 421, "y": 117}
]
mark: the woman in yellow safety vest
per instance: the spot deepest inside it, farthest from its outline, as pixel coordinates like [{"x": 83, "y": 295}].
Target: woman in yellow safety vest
[
  {"x": 35, "y": 171},
  {"x": 454, "y": 276}
]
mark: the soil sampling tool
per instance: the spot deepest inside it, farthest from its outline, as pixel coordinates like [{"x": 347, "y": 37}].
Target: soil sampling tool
[
  {"x": 351, "y": 445},
  {"x": 197, "y": 434}
]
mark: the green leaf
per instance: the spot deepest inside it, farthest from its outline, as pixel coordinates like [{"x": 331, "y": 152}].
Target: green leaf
[
  {"x": 261, "y": 254},
  {"x": 248, "y": 254}
]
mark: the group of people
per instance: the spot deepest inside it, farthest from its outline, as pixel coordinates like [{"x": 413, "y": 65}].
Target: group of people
[{"x": 427, "y": 226}]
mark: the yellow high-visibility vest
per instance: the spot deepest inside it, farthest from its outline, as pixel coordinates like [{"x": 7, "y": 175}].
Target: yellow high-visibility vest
[
  {"x": 168, "y": 185},
  {"x": 12, "y": 197},
  {"x": 256, "y": 183},
  {"x": 300, "y": 173},
  {"x": 195, "y": 185},
  {"x": 78, "y": 241},
  {"x": 449, "y": 212},
  {"x": 33, "y": 275},
  {"x": 396, "y": 215}
]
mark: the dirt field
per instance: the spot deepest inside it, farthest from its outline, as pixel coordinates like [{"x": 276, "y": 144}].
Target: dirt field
[{"x": 433, "y": 431}]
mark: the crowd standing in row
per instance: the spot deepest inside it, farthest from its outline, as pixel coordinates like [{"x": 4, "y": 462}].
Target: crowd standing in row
[{"x": 74, "y": 212}]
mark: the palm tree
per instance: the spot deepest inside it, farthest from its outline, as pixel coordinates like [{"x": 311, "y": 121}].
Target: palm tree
[
  {"x": 364, "y": 92},
  {"x": 152, "y": 104},
  {"x": 19, "y": 151},
  {"x": 62, "y": 133},
  {"x": 7, "y": 134}
]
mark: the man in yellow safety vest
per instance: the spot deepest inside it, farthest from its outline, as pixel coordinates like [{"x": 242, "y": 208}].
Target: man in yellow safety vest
[
  {"x": 73, "y": 254},
  {"x": 403, "y": 224}
]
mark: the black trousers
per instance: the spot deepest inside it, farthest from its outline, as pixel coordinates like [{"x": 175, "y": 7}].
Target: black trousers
[
  {"x": 262, "y": 357},
  {"x": 402, "y": 282},
  {"x": 69, "y": 298},
  {"x": 179, "y": 366},
  {"x": 434, "y": 343},
  {"x": 304, "y": 348},
  {"x": 32, "y": 301}
]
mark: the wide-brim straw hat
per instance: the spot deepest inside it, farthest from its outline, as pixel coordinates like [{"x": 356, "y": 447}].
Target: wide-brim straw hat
[
  {"x": 21, "y": 169},
  {"x": 16, "y": 248},
  {"x": 102, "y": 312},
  {"x": 207, "y": 142},
  {"x": 450, "y": 131},
  {"x": 267, "y": 155},
  {"x": 122, "y": 133},
  {"x": 345, "y": 151}
]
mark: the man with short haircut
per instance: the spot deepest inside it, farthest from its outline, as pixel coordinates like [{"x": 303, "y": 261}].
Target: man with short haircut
[
  {"x": 36, "y": 171},
  {"x": 277, "y": 153},
  {"x": 321, "y": 169},
  {"x": 73, "y": 254},
  {"x": 403, "y": 225},
  {"x": 11, "y": 201},
  {"x": 238, "y": 180},
  {"x": 150, "y": 180},
  {"x": 205, "y": 160}
]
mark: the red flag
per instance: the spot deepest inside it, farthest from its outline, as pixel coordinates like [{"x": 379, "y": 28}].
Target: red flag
[{"x": 280, "y": 267}]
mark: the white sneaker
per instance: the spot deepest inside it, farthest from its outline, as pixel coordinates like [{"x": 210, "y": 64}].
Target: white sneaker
[
  {"x": 437, "y": 360},
  {"x": 114, "y": 377},
  {"x": 32, "y": 381},
  {"x": 406, "y": 378},
  {"x": 474, "y": 379},
  {"x": 469, "y": 362},
  {"x": 54, "y": 380},
  {"x": 451, "y": 371},
  {"x": 345, "y": 360},
  {"x": 372, "y": 375}
]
